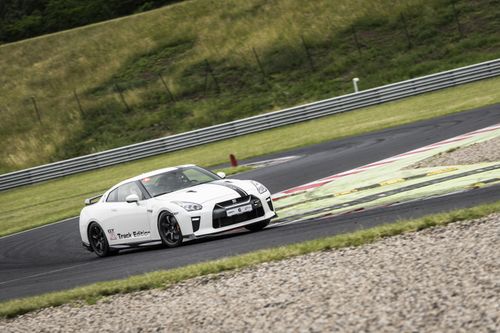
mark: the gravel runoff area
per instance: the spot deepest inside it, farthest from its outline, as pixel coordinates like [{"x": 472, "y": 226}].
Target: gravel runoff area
[
  {"x": 487, "y": 151},
  {"x": 443, "y": 279}
]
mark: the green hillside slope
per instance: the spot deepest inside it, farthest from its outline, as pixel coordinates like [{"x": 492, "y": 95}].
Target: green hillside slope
[{"x": 203, "y": 62}]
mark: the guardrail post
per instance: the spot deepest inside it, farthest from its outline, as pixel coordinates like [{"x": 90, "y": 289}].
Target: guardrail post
[
  {"x": 308, "y": 54},
  {"x": 457, "y": 21},
  {"x": 122, "y": 98},
  {"x": 37, "y": 111},
  {"x": 166, "y": 88},
  {"x": 358, "y": 46},
  {"x": 407, "y": 33},
  {"x": 211, "y": 72},
  {"x": 78, "y": 102},
  {"x": 262, "y": 71}
]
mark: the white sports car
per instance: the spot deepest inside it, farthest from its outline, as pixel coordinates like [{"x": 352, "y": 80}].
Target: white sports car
[{"x": 172, "y": 205}]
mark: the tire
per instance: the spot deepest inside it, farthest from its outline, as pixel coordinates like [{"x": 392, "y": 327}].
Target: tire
[
  {"x": 98, "y": 241},
  {"x": 169, "y": 230},
  {"x": 257, "y": 226}
]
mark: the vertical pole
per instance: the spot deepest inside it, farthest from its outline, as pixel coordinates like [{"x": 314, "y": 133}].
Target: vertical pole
[
  {"x": 122, "y": 98},
  {"x": 356, "y": 40},
  {"x": 206, "y": 81},
  {"x": 457, "y": 21},
  {"x": 407, "y": 33},
  {"x": 355, "y": 84},
  {"x": 37, "y": 111},
  {"x": 166, "y": 88},
  {"x": 78, "y": 102},
  {"x": 259, "y": 64},
  {"x": 308, "y": 54},
  {"x": 211, "y": 72}
]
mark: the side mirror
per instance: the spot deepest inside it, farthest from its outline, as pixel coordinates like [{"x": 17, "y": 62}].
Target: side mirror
[
  {"x": 221, "y": 174},
  {"x": 132, "y": 198},
  {"x": 92, "y": 200}
]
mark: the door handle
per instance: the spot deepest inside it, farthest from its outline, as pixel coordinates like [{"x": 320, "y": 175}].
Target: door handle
[{"x": 114, "y": 210}]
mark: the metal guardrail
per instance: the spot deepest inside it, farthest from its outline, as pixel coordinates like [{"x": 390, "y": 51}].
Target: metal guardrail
[{"x": 232, "y": 129}]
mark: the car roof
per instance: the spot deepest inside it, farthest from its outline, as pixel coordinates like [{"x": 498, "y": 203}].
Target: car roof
[{"x": 150, "y": 174}]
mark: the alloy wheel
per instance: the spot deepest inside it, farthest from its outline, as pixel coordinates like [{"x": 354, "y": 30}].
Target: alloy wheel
[{"x": 171, "y": 232}]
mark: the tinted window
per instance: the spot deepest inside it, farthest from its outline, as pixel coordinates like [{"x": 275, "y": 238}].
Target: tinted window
[
  {"x": 196, "y": 176},
  {"x": 121, "y": 193}
]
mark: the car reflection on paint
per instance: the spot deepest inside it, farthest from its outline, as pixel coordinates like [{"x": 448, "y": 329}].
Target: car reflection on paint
[{"x": 172, "y": 205}]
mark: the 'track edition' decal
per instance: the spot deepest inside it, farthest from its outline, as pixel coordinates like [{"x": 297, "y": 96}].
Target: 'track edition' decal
[{"x": 128, "y": 235}]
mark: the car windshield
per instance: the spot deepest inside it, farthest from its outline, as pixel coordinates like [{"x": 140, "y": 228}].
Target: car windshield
[{"x": 177, "y": 179}]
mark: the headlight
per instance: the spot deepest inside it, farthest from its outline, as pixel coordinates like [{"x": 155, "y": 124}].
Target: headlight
[
  {"x": 261, "y": 188},
  {"x": 189, "y": 206}
]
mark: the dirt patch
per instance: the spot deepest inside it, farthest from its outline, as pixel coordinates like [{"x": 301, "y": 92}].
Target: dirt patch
[{"x": 487, "y": 151}]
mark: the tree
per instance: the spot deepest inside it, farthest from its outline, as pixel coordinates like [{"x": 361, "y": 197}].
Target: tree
[{"x": 21, "y": 19}]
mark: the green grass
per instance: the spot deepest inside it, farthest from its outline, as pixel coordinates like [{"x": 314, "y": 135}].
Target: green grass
[
  {"x": 31, "y": 206},
  {"x": 163, "y": 279},
  {"x": 175, "y": 41}
]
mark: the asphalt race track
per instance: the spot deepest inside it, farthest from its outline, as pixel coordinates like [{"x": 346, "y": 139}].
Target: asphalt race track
[{"x": 52, "y": 258}]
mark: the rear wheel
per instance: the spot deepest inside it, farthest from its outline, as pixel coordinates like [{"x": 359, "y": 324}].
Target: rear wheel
[
  {"x": 258, "y": 226},
  {"x": 98, "y": 241},
  {"x": 169, "y": 229}
]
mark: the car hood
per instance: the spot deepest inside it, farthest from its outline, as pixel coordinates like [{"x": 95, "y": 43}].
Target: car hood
[{"x": 213, "y": 191}]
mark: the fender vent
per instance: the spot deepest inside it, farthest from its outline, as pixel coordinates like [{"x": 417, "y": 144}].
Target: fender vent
[{"x": 195, "y": 220}]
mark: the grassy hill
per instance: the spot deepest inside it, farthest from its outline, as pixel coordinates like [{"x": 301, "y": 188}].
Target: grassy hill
[{"x": 203, "y": 62}]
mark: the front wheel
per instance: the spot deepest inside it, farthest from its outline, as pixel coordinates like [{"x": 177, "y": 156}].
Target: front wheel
[
  {"x": 98, "y": 241},
  {"x": 169, "y": 229},
  {"x": 258, "y": 225}
]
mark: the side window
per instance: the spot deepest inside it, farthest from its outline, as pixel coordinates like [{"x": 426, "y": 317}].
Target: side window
[
  {"x": 113, "y": 196},
  {"x": 121, "y": 193},
  {"x": 127, "y": 189}
]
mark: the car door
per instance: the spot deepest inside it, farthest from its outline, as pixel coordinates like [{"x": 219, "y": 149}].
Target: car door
[{"x": 127, "y": 222}]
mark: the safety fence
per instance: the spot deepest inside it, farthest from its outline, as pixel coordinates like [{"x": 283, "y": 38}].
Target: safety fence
[{"x": 262, "y": 122}]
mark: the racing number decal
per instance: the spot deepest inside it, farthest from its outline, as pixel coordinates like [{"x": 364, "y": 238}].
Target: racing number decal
[{"x": 112, "y": 235}]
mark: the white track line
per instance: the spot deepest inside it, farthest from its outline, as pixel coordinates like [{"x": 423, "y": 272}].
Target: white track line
[
  {"x": 44, "y": 273},
  {"x": 40, "y": 227}
]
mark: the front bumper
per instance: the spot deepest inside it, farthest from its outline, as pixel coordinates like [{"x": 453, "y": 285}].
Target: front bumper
[
  {"x": 216, "y": 219},
  {"x": 220, "y": 218}
]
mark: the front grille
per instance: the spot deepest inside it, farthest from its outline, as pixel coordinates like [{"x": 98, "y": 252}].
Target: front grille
[
  {"x": 236, "y": 201},
  {"x": 220, "y": 218}
]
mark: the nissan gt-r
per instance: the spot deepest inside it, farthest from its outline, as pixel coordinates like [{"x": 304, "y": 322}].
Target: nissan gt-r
[{"x": 170, "y": 206}]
